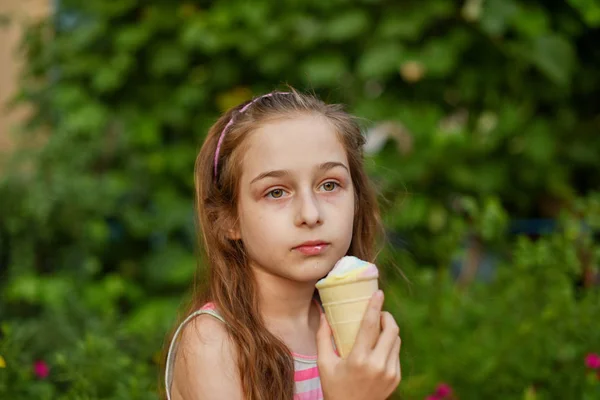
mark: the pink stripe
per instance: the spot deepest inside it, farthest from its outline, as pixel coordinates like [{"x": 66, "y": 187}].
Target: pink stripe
[
  {"x": 315, "y": 394},
  {"x": 302, "y": 356},
  {"x": 208, "y": 306},
  {"x": 306, "y": 374}
]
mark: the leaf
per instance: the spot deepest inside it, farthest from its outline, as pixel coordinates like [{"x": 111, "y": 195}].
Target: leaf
[
  {"x": 437, "y": 220},
  {"x": 324, "y": 69},
  {"x": 111, "y": 75},
  {"x": 174, "y": 265},
  {"x": 233, "y": 97},
  {"x": 168, "y": 59},
  {"x": 589, "y": 10},
  {"x": 493, "y": 219},
  {"x": 115, "y": 8},
  {"x": 275, "y": 61},
  {"x": 130, "y": 38},
  {"x": 532, "y": 22},
  {"x": 150, "y": 315},
  {"x": 307, "y": 30},
  {"x": 347, "y": 25},
  {"x": 554, "y": 56},
  {"x": 381, "y": 60},
  {"x": 197, "y": 35},
  {"x": 86, "y": 119},
  {"x": 439, "y": 57},
  {"x": 540, "y": 143},
  {"x": 496, "y": 16},
  {"x": 410, "y": 22},
  {"x": 143, "y": 132}
]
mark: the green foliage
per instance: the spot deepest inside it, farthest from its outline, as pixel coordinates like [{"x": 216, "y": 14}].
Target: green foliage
[
  {"x": 488, "y": 115},
  {"x": 527, "y": 329}
]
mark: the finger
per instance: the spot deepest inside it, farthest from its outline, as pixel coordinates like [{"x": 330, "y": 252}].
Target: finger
[
  {"x": 387, "y": 338},
  {"x": 370, "y": 325},
  {"x": 325, "y": 351},
  {"x": 393, "y": 362},
  {"x": 398, "y": 371},
  {"x": 398, "y": 366}
]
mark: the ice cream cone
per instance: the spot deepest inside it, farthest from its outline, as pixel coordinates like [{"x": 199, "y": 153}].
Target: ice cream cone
[{"x": 345, "y": 304}]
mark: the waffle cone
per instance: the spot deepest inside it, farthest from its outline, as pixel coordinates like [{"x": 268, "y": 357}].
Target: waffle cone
[{"x": 345, "y": 305}]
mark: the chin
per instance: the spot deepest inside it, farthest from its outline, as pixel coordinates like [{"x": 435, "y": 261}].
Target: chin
[{"x": 315, "y": 269}]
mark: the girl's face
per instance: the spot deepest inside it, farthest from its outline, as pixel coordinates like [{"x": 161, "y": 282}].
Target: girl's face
[{"x": 295, "y": 188}]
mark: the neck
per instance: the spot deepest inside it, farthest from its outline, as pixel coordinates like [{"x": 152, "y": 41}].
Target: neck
[{"x": 283, "y": 301}]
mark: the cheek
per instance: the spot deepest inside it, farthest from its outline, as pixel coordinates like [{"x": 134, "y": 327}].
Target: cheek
[
  {"x": 347, "y": 203},
  {"x": 349, "y": 215},
  {"x": 341, "y": 210},
  {"x": 258, "y": 227}
]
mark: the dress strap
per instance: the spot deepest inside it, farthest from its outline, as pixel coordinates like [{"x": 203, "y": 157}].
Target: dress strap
[{"x": 173, "y": 346}]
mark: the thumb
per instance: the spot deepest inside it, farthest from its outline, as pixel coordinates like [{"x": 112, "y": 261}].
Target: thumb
[{"x": 325, "y": 349}]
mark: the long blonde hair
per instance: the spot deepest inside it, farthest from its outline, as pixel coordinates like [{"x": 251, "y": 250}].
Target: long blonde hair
[{"x": 265, "y": 364}]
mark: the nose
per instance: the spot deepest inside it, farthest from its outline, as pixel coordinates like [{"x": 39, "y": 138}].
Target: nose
[{"x": 308, "y": 210}]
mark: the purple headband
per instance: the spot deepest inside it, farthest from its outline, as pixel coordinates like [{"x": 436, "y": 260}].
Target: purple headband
[{"x": 220, "y": 142}]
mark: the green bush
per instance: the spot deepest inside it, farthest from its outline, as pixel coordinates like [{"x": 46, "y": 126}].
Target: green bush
[
  {"x": 525, "y": 333},
  {"x": 486, "y": 114}
]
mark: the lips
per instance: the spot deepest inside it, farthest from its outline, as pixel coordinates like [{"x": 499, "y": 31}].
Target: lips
[{"x": 312, "y": 248}]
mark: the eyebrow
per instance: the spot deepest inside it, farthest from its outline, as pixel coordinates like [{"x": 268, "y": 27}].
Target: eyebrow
[{"x": 282, "y": 172}]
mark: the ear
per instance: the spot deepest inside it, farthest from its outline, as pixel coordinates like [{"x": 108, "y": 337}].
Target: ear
[
  {"x": 233, "y": 231},
  {"x": 234, "y": 234}
]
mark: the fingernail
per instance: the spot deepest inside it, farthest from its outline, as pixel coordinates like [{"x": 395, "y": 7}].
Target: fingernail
[{"x": 379, "y": 294}]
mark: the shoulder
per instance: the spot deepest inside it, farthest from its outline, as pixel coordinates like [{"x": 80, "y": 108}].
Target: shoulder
[
  {"x": 203, "y": 331},
  {"x": 206, "y": 363}
]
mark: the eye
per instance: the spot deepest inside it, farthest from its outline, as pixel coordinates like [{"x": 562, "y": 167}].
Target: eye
[
  {"x": 329, "y": 186},
  {"x": 276, "y": 193}
]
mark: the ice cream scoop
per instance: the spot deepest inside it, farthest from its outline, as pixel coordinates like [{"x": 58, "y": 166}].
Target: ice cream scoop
[{"x": 349, "y": 269}]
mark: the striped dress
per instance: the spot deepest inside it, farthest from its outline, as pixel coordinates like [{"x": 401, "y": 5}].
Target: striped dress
[{"x": 306, "y": 374}]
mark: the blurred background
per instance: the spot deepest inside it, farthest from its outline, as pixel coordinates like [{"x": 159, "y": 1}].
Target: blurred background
[{"x": 483, "y": 126}]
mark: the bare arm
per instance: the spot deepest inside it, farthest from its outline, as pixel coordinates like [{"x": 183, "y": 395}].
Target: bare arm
[{"x": 206, "y": 363}]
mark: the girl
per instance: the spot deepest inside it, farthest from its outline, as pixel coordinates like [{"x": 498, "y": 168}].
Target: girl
[{"x": 281, "y": 195}]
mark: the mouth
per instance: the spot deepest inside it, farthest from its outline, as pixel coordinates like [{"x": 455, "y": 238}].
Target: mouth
[{"x": 312, "y": 248}]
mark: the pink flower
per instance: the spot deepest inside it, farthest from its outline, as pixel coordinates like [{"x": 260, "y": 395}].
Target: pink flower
[
  {"x": 592, "y": 361},
  {"x": 443, "y": 390},
  {"x": 41, "y": 369}
]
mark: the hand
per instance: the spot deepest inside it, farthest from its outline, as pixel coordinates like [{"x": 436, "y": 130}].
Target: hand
[{"x": 372, "y": 369}]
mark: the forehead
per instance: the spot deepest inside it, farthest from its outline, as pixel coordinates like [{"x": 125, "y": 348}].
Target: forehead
[{"x": 295, "y": 144}]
